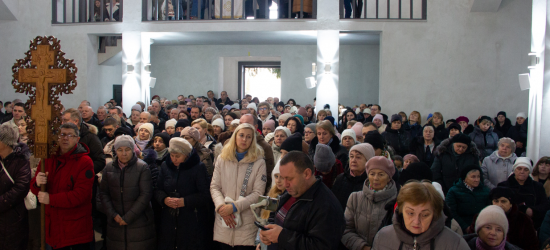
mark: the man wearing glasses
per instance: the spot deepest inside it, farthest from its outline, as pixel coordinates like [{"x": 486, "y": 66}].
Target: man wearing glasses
[
  {"x": 264, "y": 113},
  {"x": 69, "y": 176}
]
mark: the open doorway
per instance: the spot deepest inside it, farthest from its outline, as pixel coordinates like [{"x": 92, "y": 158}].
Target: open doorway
[{"x": 260, "y": 79}]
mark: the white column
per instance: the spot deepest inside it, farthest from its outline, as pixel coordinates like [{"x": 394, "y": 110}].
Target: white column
[
  {"x": 544, "y": 136},
  {"x": 145, "y": 60},
  {"x": 131, "y": 81},
  {"x": 328, "y": 47}
]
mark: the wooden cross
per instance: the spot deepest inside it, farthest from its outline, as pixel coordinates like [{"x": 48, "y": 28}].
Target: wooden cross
[{"x": 44, "y": 75}]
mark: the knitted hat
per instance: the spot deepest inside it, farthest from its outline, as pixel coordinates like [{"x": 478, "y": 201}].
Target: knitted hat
[
  {"x": 183, "y": 123},
  {"x": 211, "y": 110},
  {"x": 455, "y": 126},
  {"x": 502, "y": 113},
  {"x": 521, "y": 114},
  {"x": 136, "y": 107},
  {"x": 293, "y": 142},
  {"x": 462, "y": 138},
  {"x": 9, "y": 135},
  {"x": 123, "y": 131},
  {"x": 524, "y": 162},
  {"x": 149, "y": 128},
  {"x": 313, "y": 127},
  {"x": 365, "y": 149},
  {"x": 283, "y": 128},
  {"x": 411, "y": 157},
  {"x": 269, "y": 124},
  {"x": 191, "y": 132},
  {"x": 236, "y": 121},
  {"x": 382, "y": 163},
  {"x": 330, "y": 118},
  {"x": 415, "y": 171},
  {"x": 468, "y": 169},
  {"x": 375, "y": 139},
  {"x": 379, "y": 117},
  {"x": 350, "y": 133},
  {"x": 324, "y": 159},
  {"x": 396, "y": 117},
  {"x": 228, "y": 107},
  {"x": 179, "y": 145},
  {"x": 462, "y": 119},
  {"x": 366, "y": 111},
  {"x": 358, "y": 128},
  {"x": 165, "y": 138},
  {"x": 492, "y": 215},
  {"x": 269, "y": 136},
  {"x": 276, "y": 170},
  {"x": 285, "y": 116},
  {"x": 124, "y": 141},
  {"x": 498, "y": 192},
  {"x": 171, "y": 123},
  {"x": 235, "y": 106},
  {"x": 219, "y": 122},
  {"x": 252, "y": 106},
  {"x": 301, "y": 118},
  {"x": 485, "y": 118},
  {"x": 302, "y": 111},
  {"x": 293, "y": 110}
]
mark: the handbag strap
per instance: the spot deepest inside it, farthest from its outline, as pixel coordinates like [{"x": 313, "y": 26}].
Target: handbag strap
[
  {"x": 5, "y": 170},
  {"x": 246, "y": 177}
]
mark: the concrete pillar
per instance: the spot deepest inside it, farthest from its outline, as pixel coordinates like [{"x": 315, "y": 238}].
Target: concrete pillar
[
  {"x": 328, "y": 47},
  {"x": 131, "y": 81},
  {"x": 544, "y": 135},
  {"x": 145, "y": 60}
]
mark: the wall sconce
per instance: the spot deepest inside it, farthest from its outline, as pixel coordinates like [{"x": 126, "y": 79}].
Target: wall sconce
[
  {"x": 534, "y": 60},
  {"x": 311, "y": 82},
  {"x": 147, "y": 68},
  {"x": 129, "y": 68},
  {"x": 524, "y": 81},
  {"x": 328, "y": 67},
  {"x": 313, "y": 68}
]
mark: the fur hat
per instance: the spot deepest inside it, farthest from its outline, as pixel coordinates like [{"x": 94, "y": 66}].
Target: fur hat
[
  {"x": 365, "y": 149},
  {"x": 523, "y": 162},
  {"x": 382, "y": 163},
  {"x": 219, "y": 122},
  {"x": 350, "y": 133},
  {"x": 191, "y": 132},
  {"x": 9, "y": 135},
  {"x": 324, "y": 158},
  {"x": 411, "y": 157},
  {"x": 285, "y": 129},
  {"x": 124, "y": 141},
  {"x": 269, "y": 124},
  {"x": 165, "y": 138},
  {"x": 462, "y": 138},
  {"x": 293, "y": 142},
  {"x": 492, "y": 215},
  {"x": 149, "y": 127},
  {"x": 171, "y": 123},
  {"x": 179, "y": 145}
]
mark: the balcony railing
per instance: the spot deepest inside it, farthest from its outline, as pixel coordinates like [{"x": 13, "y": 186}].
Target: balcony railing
[
  {"x": 86, "y": 11},
  {"x": 159, "y": 10},
  {"x": 383, "y": 9}
]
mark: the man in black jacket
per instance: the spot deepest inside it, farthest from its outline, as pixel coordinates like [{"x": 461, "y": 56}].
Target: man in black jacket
[{"x": 309, "y": 216}]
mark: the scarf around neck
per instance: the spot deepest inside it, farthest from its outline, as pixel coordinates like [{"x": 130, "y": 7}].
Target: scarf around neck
[
  {"x": 482, "y": 246},
  {"x": 141, "y": 144}
]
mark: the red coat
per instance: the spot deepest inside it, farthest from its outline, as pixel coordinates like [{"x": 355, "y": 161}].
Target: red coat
[{"x": 69, "y": 214}]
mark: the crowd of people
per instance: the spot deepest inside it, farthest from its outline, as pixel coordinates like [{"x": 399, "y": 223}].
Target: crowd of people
[{"x": 183, "y": 174}]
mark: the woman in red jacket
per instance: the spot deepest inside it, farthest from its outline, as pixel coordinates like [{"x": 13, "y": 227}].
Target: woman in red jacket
[{"x": 69, "y": 178}]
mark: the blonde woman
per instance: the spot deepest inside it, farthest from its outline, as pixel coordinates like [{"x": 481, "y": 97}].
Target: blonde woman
[
  {"x": 441, "y": 133},
  {"x": 232, "y": 195},
  {"x": 414, "y": 124},
  {"x": 202, "y": 126}
]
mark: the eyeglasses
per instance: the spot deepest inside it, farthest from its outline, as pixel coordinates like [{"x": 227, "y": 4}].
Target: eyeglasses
[
  {"x": 64, "y": 136},
  {"x": 262, "y": 109}
]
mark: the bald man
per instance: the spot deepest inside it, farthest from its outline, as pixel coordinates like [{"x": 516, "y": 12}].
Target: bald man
[{"x": 88, "y": 116}]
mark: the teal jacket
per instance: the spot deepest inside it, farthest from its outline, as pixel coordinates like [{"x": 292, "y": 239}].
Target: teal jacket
[{"x": 464, "y": 204}]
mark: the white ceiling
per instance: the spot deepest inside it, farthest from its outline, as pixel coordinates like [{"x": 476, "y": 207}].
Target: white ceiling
[{"x": 258, "y": 38}]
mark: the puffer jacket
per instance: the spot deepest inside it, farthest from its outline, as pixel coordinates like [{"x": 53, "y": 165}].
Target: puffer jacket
[
  {"x": 14, "y": 225},
  {"x": 395, "y": 237},
  {"x": 448, "y": 165},
  {"x": 472, "y": 238},
  {"x": 399, "y": 140},
  {"x": 364, "y": 213},
  {"x": 127, "y": 192},
  {"x": 70, "y": 181},
  {"x": 496, "y": 169},
  {"x": 227, "y": 181},
  {"x": 465, "y": 204},
  {"x": 345, "y": 184},
  {"x": 94, "y": 146},
  {"x": 479, "y": 139},
  {"x": 339, "y": 151}
]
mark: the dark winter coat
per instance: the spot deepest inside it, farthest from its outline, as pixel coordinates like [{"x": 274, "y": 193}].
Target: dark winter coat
[
  {"x": 330, "y": 178},
  {"x": 530, "y": 195},
  {"x": 472, "y": 238},
  {"x": 95, "y": 147},
  {"x": 150, "y": 157},
  {"x": 190, "y": 181},
  {"x": 414, "y": 130},
  {"x": 448, "y": 165},
  {"x": 314, "y": 221},
  {"x": 418, "y": 148},
  {"x": 518, "y": 133},
  {"x": 486, "y": 143},
  {"x": 441, "y": 133},
  {"x": 544, "y": 234},
  {"x": 465, "y": 204},
  {"x": 14, "y": 225},
  {"x": 504, "y": 128},
  {"x": 127, "y": 192},
  {"x": 399, "y": 140},
  {"x": 339, "y": 151},
  {"x": 94, "y": 121},
  {"x": 345, "y": 184},
  {"x": 70, "y": 181}
]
